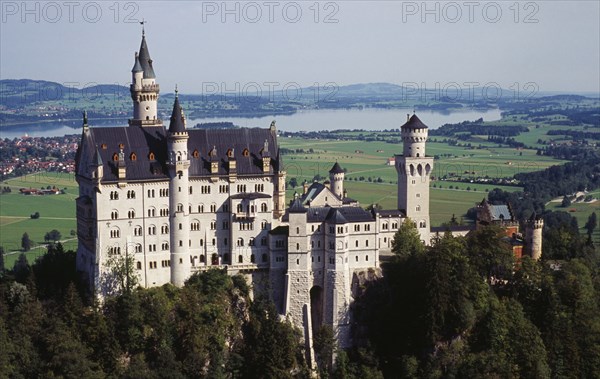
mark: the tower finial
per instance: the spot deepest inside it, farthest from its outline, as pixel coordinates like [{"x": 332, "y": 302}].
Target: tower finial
[
  {"x": 85, "y": 119},
  {"x": 143, "y": 30},
  {"x": 176, "y": 92}
]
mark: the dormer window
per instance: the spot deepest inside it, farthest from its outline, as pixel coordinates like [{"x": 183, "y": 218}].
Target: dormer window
[
  {"x": 115, "y": 157},
  {"x": 196, "y": 154},
  {"x": 103, "y": 146},
  {"x": 121, "y": 146},
  {"x": 133, "y": 157},
  {"x": 246, "y": 152},
  {"x": 230, "y": 153},
  {"x": 151, "y": 156}
]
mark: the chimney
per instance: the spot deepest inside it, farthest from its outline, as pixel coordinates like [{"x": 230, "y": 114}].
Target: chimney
[{"x": 407, "y": 117}]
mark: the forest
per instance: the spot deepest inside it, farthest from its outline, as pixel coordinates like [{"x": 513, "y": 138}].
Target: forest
[{"x": 460, "y": 308}]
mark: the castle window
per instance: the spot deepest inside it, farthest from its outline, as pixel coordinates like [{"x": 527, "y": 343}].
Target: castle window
[
  {"x": 139, "y": 265},
  {"x": 263, "y": 207},
  {"x": 151, "y": 156},
  {"x": 191, "y": 190},
  {"x": 196, "y": 154},
  {"x": 137, "y": 231},
  {"x": 246, "y": 152},
  {"x": 252, "y": 258},
  {"x": 418, "y": 208},
  {"x": 356, "y": 258},
  {"x": 240, "y": 259},
  {"x": 202, "y": 259},
  {"x": 213, "y": 208},
  {"x": 356, "y": 243},
  {"x": 418, "y": 195},
  {"x": 201, "y": 242},
  {"x": 240, "y": 242},
  {"x": 297, "y": 230},
  {"x": 131, "y": 214},
  {"x": 114, "y": 215},
  {"x": 201, "y": 208},
  {"x": 133, "y": 157},
  {"x": 263, "y": 241},
  {"x": 367, "y": 243},
  {"x": 103, "y": 146},
  {"x": 251, "y": 242},
  {"x": 264, "y": 258},
  {"x": 230, "y": 153},
  {"x": 297, "y": 246},
  {"x": 115, "y": 157},
  {"x": 121, "y": 146},
  {"x": 422, "y": 224},
  {"x": 180, "y": 243},
  {"x": 366, "y": 258}
]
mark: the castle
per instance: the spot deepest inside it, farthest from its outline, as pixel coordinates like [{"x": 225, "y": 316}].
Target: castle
[{"x": 178, "y": 201}]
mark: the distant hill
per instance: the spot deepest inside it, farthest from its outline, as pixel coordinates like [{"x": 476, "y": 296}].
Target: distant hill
[{"x": 22, "y": 92}]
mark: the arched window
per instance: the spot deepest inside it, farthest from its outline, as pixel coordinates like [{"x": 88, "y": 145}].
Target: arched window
[
  {"x": 151, "y": 156},
  {"x": 133, "y": 157},
  {"x": 245, "y": 152},
  {"x": 240, "y": 242},
  {"x": 263, "y": 207},
  {"x": 195, "y": 154},
  {"x": 115, "y": 157}
]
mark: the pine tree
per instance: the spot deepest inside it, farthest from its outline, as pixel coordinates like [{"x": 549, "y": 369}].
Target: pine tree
[{"x": 26, "y": 242}]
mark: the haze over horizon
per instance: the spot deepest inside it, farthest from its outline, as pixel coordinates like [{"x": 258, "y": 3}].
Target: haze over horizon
[{"x": 554, "y": 45}]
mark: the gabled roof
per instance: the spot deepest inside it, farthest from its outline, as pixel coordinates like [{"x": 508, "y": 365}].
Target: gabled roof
[
  {"x": 145, "y": 60},
  {"x": 336, "y": 217},
  {"x": 500, "y": 213},
  {"x": 414, "y": 123}
]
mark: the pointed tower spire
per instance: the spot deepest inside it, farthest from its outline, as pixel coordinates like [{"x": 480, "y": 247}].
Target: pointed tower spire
[
  {"x": 144, "y": 89},
  {"x": 85, "y": 120},
  {"x": 137, "y": 67},
  {"x": 177, "y": 124}
]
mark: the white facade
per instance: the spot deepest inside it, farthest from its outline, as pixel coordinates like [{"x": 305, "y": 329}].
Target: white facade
[{"x": 180, "y": 201}]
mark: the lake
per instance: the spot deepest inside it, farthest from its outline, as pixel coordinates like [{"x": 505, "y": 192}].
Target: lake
[{"x": 312, "y": 120}]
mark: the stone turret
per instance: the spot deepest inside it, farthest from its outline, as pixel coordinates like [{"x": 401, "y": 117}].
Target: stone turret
[
  {"x": 533, "y": 236},
  {"x": 414, "y": 170},
  {"x": 144, "y": 90},
  {"x": 336, "y": 177},
  {"x": 179, "y": 196}
]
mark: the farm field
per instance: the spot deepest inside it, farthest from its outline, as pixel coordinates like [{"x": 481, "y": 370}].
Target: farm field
[
  {"x": 56, "y": 212},
  {"x": 361, "y": 159},
  {"x": 581, "y": 211}
]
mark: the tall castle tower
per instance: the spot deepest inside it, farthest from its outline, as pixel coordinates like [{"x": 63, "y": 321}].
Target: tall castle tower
[
  {"x": 179, "y": 164},
  {"x": 336, "y": 177},
  {"x": 533, "y": 236},
  {"x": 414, "y": 169},
  {"x": 144, "y": 90}
]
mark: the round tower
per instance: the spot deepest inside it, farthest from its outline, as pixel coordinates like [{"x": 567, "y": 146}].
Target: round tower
[
  {"x": 533, "y": 236},
  {"x": 414, "y": 169},
  {"x": 179, "y": 164},
  {"x": 336, "y": 177},
  {"x": 414, "y": 135},
  {"x": 144, "y": 90}
]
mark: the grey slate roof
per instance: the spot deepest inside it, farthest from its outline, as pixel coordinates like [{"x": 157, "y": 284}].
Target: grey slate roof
[
  {"x": 414, "y": 123},
  {"x": 500, "y": 213},
  {"x": 390, "y": 213},
  {"x": 177, "y": 124},
  {"x": 297, "y": 207},
  {"x": 145, "y": 60},
  {"x": 137, "y": 67},
  {"x": 336, "y": 169},
  {"x": 144, "y": 140},
  {"x": 250, "y": 196}
]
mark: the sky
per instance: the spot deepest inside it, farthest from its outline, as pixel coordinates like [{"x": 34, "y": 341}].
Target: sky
[{"x": 216, "y": 46}]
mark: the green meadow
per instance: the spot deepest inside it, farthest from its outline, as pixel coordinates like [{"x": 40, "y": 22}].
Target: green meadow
[
  {"x": 368, "y": 180},
  {"x": 56, "y": 212}
]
